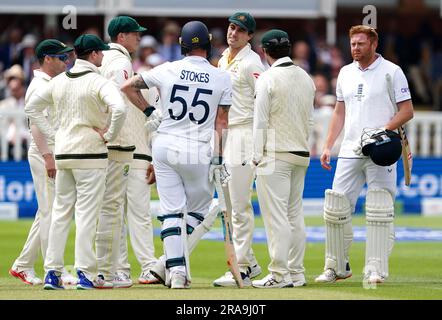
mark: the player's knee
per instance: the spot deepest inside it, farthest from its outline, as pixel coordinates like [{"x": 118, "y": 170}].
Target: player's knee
[
  {"x": 337, "y": 208},
  {"x": 193, "y": 219},
  {"x": 379, "y": 206}
]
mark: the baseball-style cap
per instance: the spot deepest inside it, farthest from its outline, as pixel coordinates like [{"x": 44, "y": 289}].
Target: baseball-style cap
[
  {"x": 123, "y": 24},
  {"x": 244, "y": 20},
  {"x": 89, "y": 42},
  {"x": 275, "y": 38},
  {"x": 51, "y": 46}
]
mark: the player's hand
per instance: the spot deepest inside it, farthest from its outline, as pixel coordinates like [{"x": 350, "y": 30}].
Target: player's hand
[
  {"x": 101, "y": 132},
  {"x": 154, "y": 121},
  {"x": 217, "y": 165},
  {"x": 50, "y": 165},
  {"x": 150, "y": 175},
  {"x": 325, "y": 159}
]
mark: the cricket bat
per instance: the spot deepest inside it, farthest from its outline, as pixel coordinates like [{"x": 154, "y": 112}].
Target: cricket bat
[
  {"x": 407, "y": 157},
  {"x": 226, "y": 219}
]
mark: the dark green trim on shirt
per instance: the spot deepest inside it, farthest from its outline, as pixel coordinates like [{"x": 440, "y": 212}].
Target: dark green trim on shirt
[
  {"x": 75, "y": 156},
  {"x": 77, "y": 75},
  {"x": 139, "y": 156},
  {"x": 123, "y": 149}
]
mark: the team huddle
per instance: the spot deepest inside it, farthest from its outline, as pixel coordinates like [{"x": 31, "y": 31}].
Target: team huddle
[{"x": 101, "y": 135}]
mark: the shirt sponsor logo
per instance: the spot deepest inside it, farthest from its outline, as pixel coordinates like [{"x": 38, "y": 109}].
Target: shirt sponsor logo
[
  {"x": 405, "y": 90},
  {"x": 256, "y": 75}
]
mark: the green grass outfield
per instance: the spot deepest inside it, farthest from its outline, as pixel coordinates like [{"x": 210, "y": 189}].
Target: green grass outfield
[{"x": 415, "y": 269}]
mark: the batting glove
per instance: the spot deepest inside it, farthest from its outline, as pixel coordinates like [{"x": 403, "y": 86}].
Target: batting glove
[
  {"x": 224, "y": 175},
  {"x": 154, "y": 121}
]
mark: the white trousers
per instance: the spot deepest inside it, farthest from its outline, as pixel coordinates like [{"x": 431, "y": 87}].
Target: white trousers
[
  {"x": 352, "y": 174},
  {"x": 182, "y": 174},
  {"x": 280, "y": 200},
  {"x": 238, "y": 150},
  {"x": 139, "y": 222},
  {"x": 39, "y": 232},
  {"x": 107, "y": 242},
  {"x": 80, "y": 191}
]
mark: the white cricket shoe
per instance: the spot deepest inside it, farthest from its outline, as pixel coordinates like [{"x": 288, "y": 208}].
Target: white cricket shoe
[
  {"x": 27, "y": 276},
  {"x": 122, "y": 280},
  {"x": 330, "y": 276},
  {"x": 158, "y": 270},
  {"x": 68, "y": 279},
  {"x": 101, "y": 283},
  {"x": 147, "y": 278},
  {"x": 374, "y": 277},
  {"x": 178, "y": 280},
  {"x": 298, "y": 279},
  {"x": 227, "y": 279},
  {"x": 269, "y": 282}
]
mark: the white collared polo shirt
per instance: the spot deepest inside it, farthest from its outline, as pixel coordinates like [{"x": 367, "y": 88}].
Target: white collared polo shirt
[{"x": 366, "y": 98}]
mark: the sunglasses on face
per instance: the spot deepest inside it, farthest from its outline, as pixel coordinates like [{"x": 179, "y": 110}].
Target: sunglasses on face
[{"x": 62, "y": 57}]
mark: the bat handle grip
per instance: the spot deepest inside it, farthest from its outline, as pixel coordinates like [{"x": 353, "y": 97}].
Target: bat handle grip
[{"x": 219, "y": 191}]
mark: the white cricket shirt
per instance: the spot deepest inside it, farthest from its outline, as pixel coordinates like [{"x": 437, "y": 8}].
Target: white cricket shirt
[
  {"x": 41, "y": 80},
  {"x": 191, "y": 90},
  {"x": 367, "y": 103},
  {"x": 244, "y": 70}
]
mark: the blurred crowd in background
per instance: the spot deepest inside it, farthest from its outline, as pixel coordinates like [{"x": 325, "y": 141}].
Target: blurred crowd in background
[{"x": 418, "y": 53}]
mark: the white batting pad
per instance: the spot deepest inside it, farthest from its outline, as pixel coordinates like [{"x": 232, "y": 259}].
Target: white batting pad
[
  {"x": 380, "y": 230},
  {"x": 339, "y": 234},
  {"x": 203, "y": 227}
]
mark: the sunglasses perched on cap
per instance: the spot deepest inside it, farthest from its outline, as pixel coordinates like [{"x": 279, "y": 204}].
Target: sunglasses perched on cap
[
  {"x": 62, "y": 57},
  {"x": 276, "y": 43}
]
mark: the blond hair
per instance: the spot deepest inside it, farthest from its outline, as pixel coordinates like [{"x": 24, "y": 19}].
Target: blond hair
[{"x": 369, "y": 31}]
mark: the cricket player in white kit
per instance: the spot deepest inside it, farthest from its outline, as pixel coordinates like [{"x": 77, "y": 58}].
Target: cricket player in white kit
[
  {"x": 138, "y": 220},
  {"x": 244, "y": 67},
  {"x": 281, "y": 127},
  {"x": 196, "y": 98},
  {"x": 53, "y": 58},
  {"x": 117, "y": 67},
  {"x": 362, "y": 102},
  {"x": 83, "y": 100}
]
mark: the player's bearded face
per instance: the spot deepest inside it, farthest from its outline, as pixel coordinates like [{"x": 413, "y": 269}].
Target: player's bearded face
[
  {"x": 237, "y": 37},
  {"x": 362, "y": 48}
]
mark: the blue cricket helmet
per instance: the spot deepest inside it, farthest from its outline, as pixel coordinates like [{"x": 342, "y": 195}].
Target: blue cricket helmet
[{"x": 195, "y": 35}]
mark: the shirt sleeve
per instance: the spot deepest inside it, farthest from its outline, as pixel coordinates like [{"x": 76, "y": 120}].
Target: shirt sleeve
[
  {"x": 112, "y": 98},
  {"x": 153, "y": 77},
  {"x": 339, "y": 95},
  {"x": 252, "y": 72},
  {"x": 400, "y": 84},
  {"x": 261, "y": 117},
  {"x": 119, "y": 71},
  {"x": 35, "y": 110},
  {"x": 226, "y": 96}
]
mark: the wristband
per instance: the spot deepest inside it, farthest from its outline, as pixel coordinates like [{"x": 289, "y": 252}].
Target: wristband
[
  {"x": 217, "y": 160},
  {"x": 148, "y": 111}
]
